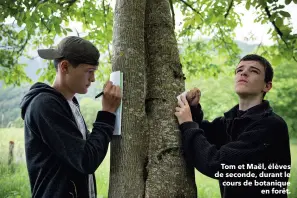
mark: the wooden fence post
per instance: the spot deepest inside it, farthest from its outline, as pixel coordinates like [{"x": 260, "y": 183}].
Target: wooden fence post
[{"x": 10, "y": 154}]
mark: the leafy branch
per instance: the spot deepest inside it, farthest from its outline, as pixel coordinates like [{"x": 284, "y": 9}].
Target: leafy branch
[
  {"x": 277, "y": 29},
  {"x": 226, "y": 44},
  {"x": 229, "y": 8},
  {"x": 191, "y": 7},
  {"x": 20, "y": 51},
  {"x": 105, "y": 12},
  {"x": 69, "y": 2}
]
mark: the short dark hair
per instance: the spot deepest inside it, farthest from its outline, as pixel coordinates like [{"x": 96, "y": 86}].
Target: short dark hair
[
  {"x": 263, "y": 61},
  {"x": 58, "y": 60}
]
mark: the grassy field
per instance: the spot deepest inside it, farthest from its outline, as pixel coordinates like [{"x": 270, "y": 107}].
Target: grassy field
[{"x": 14, "y": 181}]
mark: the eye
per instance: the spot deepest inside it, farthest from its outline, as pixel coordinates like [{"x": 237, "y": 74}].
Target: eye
[
  {"x": 239, "y": 70},
  {"x": 255, "y": 71}
]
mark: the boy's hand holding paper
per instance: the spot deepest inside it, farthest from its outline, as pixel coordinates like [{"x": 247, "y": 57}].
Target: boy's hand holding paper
[
  {"x": 183, "y": 111},
  {"x": 111, "y": 98}
]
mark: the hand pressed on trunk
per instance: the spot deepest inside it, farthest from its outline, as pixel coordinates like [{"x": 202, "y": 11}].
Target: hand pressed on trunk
[{"x": 183, "y": 111}]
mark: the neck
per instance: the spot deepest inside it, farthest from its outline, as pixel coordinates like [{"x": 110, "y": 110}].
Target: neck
[
  {"x": 250, "y": 101},
  {"x": 63, "y": 88}
]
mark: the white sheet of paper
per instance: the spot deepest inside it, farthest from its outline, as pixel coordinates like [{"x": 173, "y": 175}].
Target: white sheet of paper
[
  {"x": 117, "y": 79},
  {"x": 184, "y": 94}
]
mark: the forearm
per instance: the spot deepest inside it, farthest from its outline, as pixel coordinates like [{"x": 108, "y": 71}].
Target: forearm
[
  {"x": 98, "y": 141},
  {"x": 198, "y": 150},
  {"x": 207, "y": 158},
  {"x": 197, "y": 113}
]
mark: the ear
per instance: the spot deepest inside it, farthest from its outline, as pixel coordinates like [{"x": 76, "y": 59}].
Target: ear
[
  {"x": 267, "y": 87},
  {"x": 64, "y": 66}
]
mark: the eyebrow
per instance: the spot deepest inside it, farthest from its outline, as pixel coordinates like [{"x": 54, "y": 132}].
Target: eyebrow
[
  {"x": 91, "y": 68},
  {"x": 251, "y": 67}
]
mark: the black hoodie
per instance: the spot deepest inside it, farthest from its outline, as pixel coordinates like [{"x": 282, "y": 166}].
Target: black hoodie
[
  {"x": 257, "y": 136},
  {"x": 58, "y": 158}
]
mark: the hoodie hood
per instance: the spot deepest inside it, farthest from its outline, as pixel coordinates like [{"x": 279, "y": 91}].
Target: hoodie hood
[{"x": 35, "y": 90}]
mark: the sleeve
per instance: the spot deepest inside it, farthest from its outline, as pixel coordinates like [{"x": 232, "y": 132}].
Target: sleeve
[
  {"x": 249, "y": 146},
  {"x": 197, "y": 113},
  {"x": 58, "y": 132},
  {"x": 214, "y": 131}
]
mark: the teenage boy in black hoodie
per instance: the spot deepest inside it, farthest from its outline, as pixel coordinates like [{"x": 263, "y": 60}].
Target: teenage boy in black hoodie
[
  {"x": 250, "y": 136},
  {"x": 61, "y": 154}
]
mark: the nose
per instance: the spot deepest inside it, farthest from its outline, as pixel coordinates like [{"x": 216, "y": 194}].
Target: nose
[
  {"x": 92, "y": 77},
  {"x": 244, "y": 72}
]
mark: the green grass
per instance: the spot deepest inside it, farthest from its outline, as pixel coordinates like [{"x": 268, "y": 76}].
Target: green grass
[
  {"x": 14, "y": 181},
  {"x": 293, "y": 141}
]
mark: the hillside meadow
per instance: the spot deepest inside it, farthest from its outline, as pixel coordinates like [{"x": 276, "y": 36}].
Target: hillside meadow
[{"x": 14, "y": 182}]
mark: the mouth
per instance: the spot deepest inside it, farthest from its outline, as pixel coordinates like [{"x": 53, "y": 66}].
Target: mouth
[{"x": 244, "y": 81}]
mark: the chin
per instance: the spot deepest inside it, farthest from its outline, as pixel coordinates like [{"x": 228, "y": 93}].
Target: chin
[
  {"x": 238, "y": 90},
  {"x": 83, "y": 91},
  {"x": 241, "y": 93}
]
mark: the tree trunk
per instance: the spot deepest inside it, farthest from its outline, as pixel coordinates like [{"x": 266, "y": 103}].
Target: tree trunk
[
  {"x": 128, "y": 151},
  {"x": 168, "y": 174},
  {"x": 147, "y": 160}
]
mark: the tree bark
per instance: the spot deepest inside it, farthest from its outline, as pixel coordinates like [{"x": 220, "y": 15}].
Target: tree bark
[
  {"x": 129, "y": 151},
  {"x": 147, "y": 160},
  {"x": 168, "y": 173}
]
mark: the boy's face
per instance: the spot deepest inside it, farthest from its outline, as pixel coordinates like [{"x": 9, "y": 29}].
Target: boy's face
[
  {"x": 80, "y": 78},
  {"x": 249, "y": 79}
]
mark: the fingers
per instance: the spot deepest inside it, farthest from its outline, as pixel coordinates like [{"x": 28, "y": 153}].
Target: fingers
[
  {"x": 111, "y": 97},
  {"x": 193, "y": 91},
  {"x": 198, "y": 92},
  {"x": 107, "y": 86},
  {"x": 189, "y": 96},
  {"x": 184, "y": 100},
  {"x": 193, "y": 96},
  {"x": 113, "y": 90},
  {"x": 195, "y": 101},
  {"x": 195, "y": 88},
  {"x": 177, "y": 109},
  {"x": 177, "y": 114},
  {"x": 180, "y": 103},
  {"x": 183, "y": 112},
  {"x": 118, "y": 92}
]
